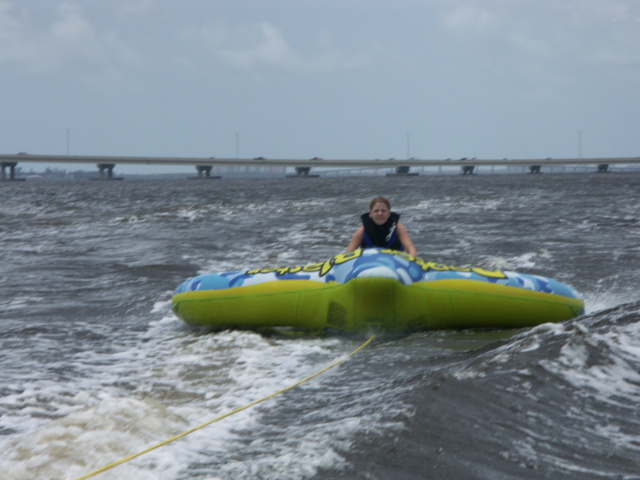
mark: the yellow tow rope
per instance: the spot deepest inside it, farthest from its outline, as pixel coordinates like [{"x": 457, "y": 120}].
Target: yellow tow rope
[{"x": 217, "y": 419}]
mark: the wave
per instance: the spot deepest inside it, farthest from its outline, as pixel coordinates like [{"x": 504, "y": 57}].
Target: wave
[{"x": 557, "y": 401}]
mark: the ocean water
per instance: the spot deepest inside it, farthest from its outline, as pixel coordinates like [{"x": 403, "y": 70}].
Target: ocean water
[{"x": 94, "y": 367}]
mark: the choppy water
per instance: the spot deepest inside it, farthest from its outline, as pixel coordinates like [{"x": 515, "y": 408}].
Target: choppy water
[{"x": 94, "y": 366}]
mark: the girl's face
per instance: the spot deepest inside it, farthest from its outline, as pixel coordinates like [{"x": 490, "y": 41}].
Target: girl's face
[{"x": 380, "y": 213}]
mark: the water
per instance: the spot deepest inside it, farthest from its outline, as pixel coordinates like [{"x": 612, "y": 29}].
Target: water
[{"x": 94, "y": 367}]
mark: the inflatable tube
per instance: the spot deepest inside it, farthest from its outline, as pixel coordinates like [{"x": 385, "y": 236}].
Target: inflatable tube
[{"x": 374, "y": 289}]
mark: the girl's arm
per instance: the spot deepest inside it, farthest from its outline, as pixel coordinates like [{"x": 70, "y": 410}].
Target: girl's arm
[
  {"x": 405, "y": 240},
  {"x": 356, "y": 241}
]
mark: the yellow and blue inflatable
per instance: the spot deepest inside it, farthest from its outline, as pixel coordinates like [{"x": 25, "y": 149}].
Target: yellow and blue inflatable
[{"x": 374, "y": 289}]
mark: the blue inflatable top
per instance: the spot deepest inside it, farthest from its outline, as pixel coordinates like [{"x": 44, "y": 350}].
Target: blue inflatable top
[{"x": 374, "y": 263}]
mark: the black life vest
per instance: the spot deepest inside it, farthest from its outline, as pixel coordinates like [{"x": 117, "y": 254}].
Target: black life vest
[{"x": 383, "y": 236}]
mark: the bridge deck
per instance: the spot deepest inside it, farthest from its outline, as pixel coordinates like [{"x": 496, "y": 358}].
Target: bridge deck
[{"x": 314, "y": 162}]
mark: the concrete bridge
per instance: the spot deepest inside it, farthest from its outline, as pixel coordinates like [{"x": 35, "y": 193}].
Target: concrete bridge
[{"x": 302, "y": 167}]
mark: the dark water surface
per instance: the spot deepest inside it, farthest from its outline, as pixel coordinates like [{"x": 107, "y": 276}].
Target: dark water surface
[{"x": 94, "y": 366}]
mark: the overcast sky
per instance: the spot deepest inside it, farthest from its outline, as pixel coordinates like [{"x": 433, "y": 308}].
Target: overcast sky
[{"x": 356, "y": 79}]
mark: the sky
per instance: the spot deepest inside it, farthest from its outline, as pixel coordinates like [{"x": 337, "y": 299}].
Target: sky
[{"x": 336, "y": 79}]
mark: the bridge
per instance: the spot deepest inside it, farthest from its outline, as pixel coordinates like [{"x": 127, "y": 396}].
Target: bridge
[{"x": 302, "y": 167}]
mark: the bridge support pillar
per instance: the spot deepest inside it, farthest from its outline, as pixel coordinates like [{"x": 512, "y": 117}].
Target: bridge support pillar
[
  {"x": 402, "y": 171},
  {"x": 204, "y": 170},
  {"x": 106, "y": 172},
  {"x": 108, "y": 167},
  {"x": 12, "y": 171},
  {"x": 204, "y": 173},
  {"x": 534, "y": 169},
  {"x": 303, "y": 172},
  {"x": 603, "y": 168}
]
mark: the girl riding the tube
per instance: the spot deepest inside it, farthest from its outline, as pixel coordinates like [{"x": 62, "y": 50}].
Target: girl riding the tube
[{"x": 382, "y": 228}]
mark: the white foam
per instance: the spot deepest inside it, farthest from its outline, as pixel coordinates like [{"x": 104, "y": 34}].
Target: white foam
[
  {"x": 519, "y": 262},
  {"x": 169, "y": 380},
  {"x": 91, "y": 437},
  {"x": 615, "y": 377}
]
